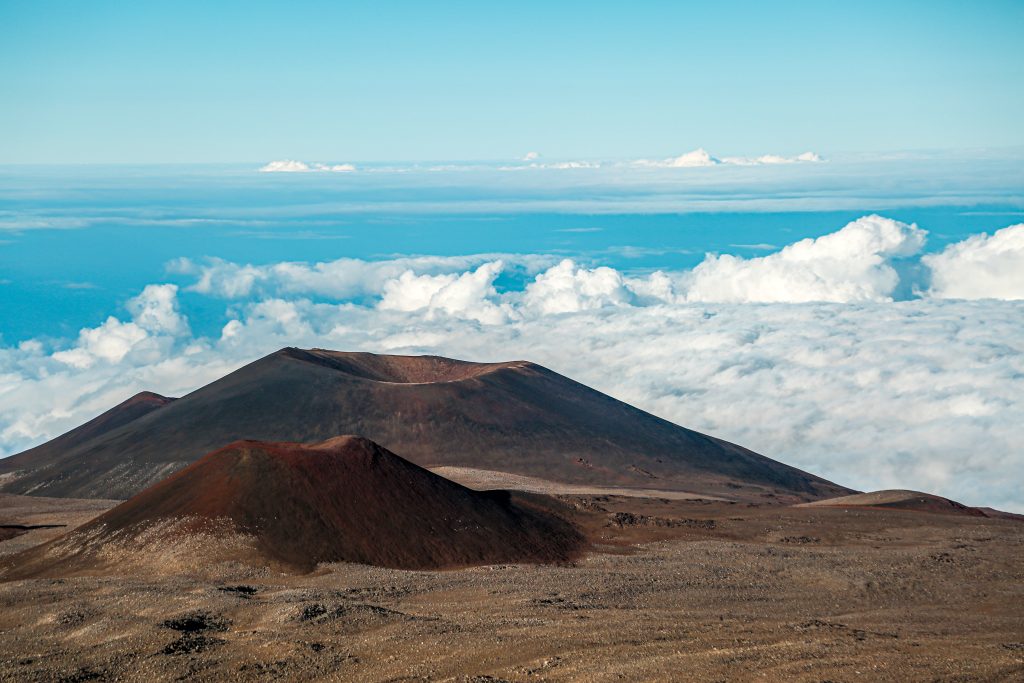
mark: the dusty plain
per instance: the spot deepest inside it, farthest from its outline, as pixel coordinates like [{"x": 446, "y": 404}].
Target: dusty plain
[{"x": 672, "y": 590}]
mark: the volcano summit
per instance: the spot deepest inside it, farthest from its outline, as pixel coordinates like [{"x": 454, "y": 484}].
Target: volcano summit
[
  {"x": 507, "y": 417},
  {"x": 515, "y": 417}
]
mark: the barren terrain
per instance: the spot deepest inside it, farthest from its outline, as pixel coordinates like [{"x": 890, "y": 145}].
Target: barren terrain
[{"x": 674, "y": 590}]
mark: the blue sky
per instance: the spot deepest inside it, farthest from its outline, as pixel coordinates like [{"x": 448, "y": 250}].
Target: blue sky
[{"x": 154, "y": 82}]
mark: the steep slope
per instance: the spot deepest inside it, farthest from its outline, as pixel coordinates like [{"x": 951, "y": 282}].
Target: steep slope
[
  {"x": 135, "y": 407},
  {"x": 293, "y": 506},
  {"x": 513, "y": 417},
  {"x": 898, "y": 499}
]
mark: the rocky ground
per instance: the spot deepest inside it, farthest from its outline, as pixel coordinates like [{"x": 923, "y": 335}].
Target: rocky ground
[{"x": 675, "y": 590}]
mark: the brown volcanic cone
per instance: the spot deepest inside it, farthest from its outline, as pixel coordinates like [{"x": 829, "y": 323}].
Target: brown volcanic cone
[
  {"x": 515, "y": 417},
  {"x": 342, "y": 500},
  {"x": 898, "y": 499}
]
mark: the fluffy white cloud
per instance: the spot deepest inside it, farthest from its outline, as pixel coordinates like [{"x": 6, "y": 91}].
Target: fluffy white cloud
[
  {"x": 980, "y": 267},
  {"x": 151, "y": 332},
  {"x": 110, "y": 341},
  {"x": 156, "y": 310},
  {"x": 468, "y": 295},
  {"x": 853, "y": 264},
  {"x": 344, "y": 278},
  {"x": 695, "y": 159},
  {"x": 701, "y": 157},
  {"x": 567, "y": 288},
  {"x": 219, "y": 277},
  {"x": 285, "y": 166}
]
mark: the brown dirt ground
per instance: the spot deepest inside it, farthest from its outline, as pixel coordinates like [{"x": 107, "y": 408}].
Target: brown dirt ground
[{"x": 679, "y": 590}]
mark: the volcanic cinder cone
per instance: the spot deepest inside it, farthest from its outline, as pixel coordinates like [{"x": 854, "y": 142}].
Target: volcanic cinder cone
[
  {"x": 294, "y": 506},
  {"x": 515, "y": 417}
]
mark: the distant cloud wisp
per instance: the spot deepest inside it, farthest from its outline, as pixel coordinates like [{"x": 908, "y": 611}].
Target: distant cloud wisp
[
  {"x": 291, "y": 166},
  {"x": 701, "y": 157}
]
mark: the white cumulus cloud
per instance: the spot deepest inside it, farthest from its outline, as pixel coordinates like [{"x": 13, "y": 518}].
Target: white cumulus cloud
[
  {"x": 568, "y": 288},
  {"x": 285, "y": 166},
  {"x": 700, "y": 157},
  {"x": 155, "y": 323},
  {"x": 343, "y": 278},
  {"x": 695, "y": 159},
  {"x": 853, "y": 264},
  {"x": 980, "y": 267},
  {"x": 468, "y": 295}
]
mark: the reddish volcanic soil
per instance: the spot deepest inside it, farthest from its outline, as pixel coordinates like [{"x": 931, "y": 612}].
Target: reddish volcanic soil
[
  {"x": 291, "y": 505},
  {"x": 896, "y": 499}
]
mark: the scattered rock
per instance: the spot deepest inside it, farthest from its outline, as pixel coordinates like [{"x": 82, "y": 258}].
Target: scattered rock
[
  {"x": 191, "y": 643},
  {"x": 84, "y": 674},
  {"x": 319, "y": 612},
  {"x": 197, "y": 622},
  {"x": 311, "y": 612},
  {"x": 74, "y": 617},
  {"x": 799, "y": 539},
  {"x": 628, "y": 519}
]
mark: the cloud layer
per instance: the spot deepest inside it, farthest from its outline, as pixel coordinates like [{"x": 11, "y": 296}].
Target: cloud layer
[{"x": 829, "y": 375}]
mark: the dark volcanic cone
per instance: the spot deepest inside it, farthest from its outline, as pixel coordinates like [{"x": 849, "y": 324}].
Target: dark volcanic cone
[
  {"x": 343, "y": 500},
  {"x": 135, "y": 407},
  {"x": 515, "y": 417}
]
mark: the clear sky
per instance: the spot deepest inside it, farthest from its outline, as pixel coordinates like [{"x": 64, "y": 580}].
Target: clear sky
[{"x": 187, "y": 81}]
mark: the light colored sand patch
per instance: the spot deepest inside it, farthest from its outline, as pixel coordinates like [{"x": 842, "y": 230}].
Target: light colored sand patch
[
  {"x": 886, "y": 497},
  {"x": 491, "y": 479}
]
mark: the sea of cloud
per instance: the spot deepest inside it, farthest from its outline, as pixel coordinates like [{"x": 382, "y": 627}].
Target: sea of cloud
[{"x": 849, "y": 355}]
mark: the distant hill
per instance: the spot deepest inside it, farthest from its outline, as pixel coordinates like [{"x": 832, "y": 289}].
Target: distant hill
[
  {"x": 898, "y": 499},
  {"x": 515, "y": 417},
  {"x": 294, "y": 506}
]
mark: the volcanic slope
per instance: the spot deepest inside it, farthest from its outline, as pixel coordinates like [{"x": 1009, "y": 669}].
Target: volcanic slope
[
  {"x": 898, "y": 499},
  {"x": 515, "y": 417},
  {"x": 293, "y": 506}
]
